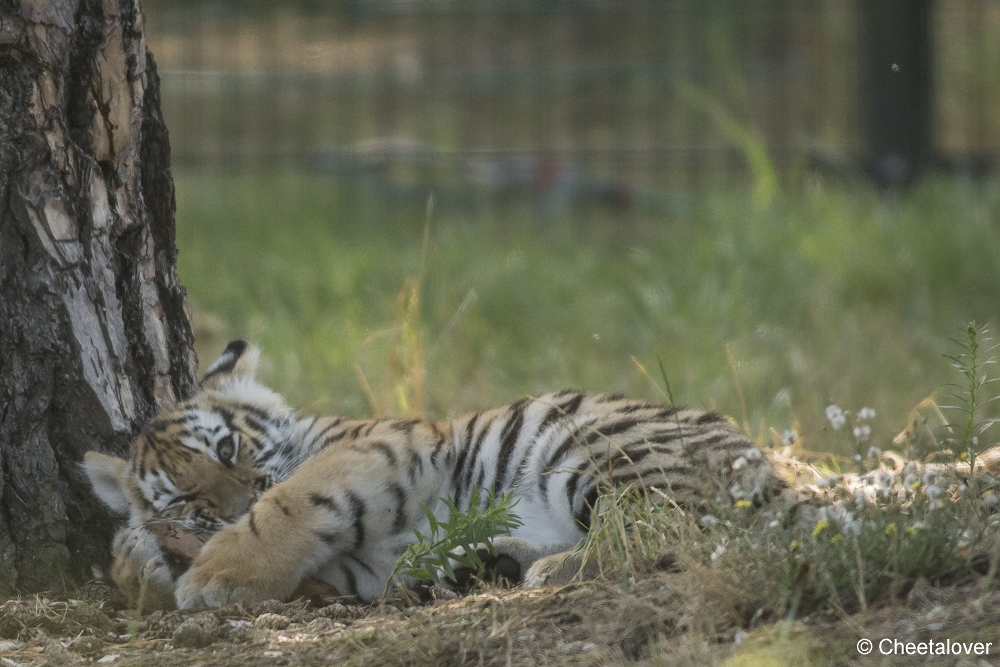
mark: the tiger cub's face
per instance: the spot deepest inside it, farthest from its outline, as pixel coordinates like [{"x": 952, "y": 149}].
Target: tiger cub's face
[{"x": 203, "y": 460}]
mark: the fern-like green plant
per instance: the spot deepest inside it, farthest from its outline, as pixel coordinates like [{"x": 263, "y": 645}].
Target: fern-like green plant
[
  {"x": 456, "y": 540},
  {"x": 972, "y": 363}
]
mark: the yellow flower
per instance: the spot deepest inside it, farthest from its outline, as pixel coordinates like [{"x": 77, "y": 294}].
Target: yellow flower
[
  {"x": 820, "y": 526},
  {"x": 987, "y": 492},
  {"x": 911, "y": 529},
  {"x": 891, "y": 529},
  {"x": 743, "y": 503},
  {"x": 963, "y": 456},
  {"x": 794, "y": 545},
  {"x": 836, "y": 538}
]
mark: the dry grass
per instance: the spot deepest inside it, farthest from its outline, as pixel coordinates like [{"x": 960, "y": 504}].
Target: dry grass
[{"x": 663, "y": 618}]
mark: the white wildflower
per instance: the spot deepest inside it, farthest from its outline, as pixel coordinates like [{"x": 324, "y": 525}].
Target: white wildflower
[
  {"x": 828, "y": 481},
  {"x": 839, "y": 515},
  {"x": 865, "y": 413},
  {"x": 862, "y": 432},
  {"x": 965, "y": 539},
  {"x": 873, "y": 452},
  {"x": 740, "y": 636},
  {"x": 739, "y": 463},
  {"x": 836, "y": 416},
  {"x": 835, "y": 512},
  {"x": 719, "y": 550},
  {"x": 775, "y": 523},
  {"x": 932, "y": 491},
  {"x": 751, "y": 454},
  {"x": 789, "y": 437},
  {"x": 708, "y": 521},
  {"x": 910, "y": 480},
  {"x": 857, "y": 457},
  {"x": 850, "y": 526},
  {"x": 864, "y": 495},
  {"x": 935, "y": 504},
  {"x": 990, "y": 499},
  {"x": 884, "y": 480}
]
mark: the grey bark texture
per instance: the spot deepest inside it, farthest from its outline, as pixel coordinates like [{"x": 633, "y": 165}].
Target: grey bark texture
[{"x": 95, "y": 336}]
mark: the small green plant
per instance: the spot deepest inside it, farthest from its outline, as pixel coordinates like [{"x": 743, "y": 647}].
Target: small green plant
[
  {"x": 455, "y": 541},
  {"x": 972, "y": 362}
]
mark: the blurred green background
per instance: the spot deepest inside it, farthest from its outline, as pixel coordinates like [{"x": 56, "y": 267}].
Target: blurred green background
[{"x": 615, "y": 186}]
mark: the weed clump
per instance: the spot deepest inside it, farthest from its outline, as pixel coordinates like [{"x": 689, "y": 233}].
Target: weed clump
[
  {"x": 838, "y": 540},
  {"x": 456, "y": 541}
]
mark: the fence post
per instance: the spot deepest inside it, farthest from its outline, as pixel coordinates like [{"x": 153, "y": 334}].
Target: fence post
[{"x": 895, "y": 90}]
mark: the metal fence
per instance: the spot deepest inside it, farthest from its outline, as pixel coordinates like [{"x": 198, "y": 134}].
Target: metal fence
[{"x": 575, "y": 98}]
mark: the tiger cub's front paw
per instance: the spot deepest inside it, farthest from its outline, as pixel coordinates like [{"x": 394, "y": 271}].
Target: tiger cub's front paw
[
  {"x": 141, "y": 570},
  {"x": 234, "y": 567}
]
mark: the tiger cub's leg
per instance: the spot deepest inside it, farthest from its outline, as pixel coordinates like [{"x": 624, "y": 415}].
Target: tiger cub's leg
[
  {"x": 562, "y": 568},
  {"x": 576, "y": 565},
  {"x": 264, "y": 556}
]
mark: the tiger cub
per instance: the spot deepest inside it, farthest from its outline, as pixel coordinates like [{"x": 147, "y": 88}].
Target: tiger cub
[{"x": 291, "y": 497}]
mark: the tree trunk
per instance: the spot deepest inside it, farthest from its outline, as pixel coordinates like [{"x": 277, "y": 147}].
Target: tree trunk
[{"x": 95, "y": 336}]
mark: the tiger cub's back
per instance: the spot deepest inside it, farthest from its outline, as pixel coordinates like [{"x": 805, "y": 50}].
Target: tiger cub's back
[{"x": 556, "y": 450}]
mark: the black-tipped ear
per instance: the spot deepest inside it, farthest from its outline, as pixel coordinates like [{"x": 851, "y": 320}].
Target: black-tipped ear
[{"x": 239, "y": 360}]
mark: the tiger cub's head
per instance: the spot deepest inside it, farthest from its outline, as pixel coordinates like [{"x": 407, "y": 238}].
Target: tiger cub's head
[{"x": 203, "y": 461}]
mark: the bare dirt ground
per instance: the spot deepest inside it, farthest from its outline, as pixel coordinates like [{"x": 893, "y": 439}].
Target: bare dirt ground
[{"x": 663, "y": 618}]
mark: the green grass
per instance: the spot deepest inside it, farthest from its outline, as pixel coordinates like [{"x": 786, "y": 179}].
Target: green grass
[{"x": 833, "y": 294}]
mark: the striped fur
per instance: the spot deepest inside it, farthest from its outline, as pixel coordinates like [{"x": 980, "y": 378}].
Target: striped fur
[{"x": 293, "y": 497}]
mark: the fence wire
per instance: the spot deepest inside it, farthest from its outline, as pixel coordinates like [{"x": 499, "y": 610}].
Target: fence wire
[{"x": 581, "y": 99}]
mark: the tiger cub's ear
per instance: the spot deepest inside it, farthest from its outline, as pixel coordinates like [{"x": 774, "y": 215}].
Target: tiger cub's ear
[
  {"x": 107, "y": 475},
  {"x": 239, "y": 360}
]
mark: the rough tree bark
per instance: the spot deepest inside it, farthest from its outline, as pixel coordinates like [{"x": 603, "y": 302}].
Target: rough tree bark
[{"x": 94, "y": 332}]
